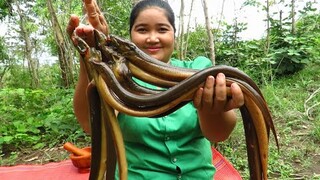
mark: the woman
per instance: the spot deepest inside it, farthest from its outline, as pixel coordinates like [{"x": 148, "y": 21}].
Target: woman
[{"x": 177, "y": 145}]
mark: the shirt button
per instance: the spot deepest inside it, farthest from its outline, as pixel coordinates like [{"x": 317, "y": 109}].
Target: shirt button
[
  {"x": 167, "y": 138},
  {"x": 174, "y": 160},
  {"x": 179, "y": 177}
]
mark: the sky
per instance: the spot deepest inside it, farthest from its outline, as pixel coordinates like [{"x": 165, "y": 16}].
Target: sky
[
  {"x": 3, "y": 29},
  {"x": 256, "y": 27}
]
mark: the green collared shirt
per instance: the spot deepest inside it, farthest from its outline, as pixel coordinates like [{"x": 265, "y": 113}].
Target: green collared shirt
[{"x": 169, "y": 147}]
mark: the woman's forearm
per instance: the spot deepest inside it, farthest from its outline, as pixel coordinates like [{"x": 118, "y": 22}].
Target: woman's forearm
[
  {"x": 80, "y": 100},
  {"x": 218, "y": 127}
]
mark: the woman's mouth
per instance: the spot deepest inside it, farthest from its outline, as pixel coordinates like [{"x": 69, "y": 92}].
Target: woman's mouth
[{"x": 153, "y": 49}]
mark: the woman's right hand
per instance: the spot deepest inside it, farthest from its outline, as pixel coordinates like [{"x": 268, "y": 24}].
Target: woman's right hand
[{"x": 95, "y": 19}]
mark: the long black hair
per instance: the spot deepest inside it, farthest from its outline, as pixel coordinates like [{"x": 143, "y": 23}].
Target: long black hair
[{"x": 140, "y": 6}]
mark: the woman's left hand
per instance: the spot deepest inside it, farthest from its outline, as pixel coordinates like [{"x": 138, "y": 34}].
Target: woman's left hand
[
  {"x": 212, "y": 97},
  {"x": 214, "y": 106}
]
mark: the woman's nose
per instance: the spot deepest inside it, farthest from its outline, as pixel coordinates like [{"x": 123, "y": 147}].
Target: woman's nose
[{"x": 152, "y": 38}]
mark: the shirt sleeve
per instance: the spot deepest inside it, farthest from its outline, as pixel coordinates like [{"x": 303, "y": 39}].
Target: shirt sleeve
[{"x": 201, "y": 62}]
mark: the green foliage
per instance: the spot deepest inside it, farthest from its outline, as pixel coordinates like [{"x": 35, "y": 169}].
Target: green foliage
[
  {"x": 36, "y": 119},
  {"x": 50, "y": 76},
  {"x": 3, "y": 50},
  {"x": 5, "y": 8},
  {"x": 117, "y": 14},
  {"x": 298, "y": 131},
  {"x": 63, "y": 10},
  {"x": 44, "y": 118},
  {"x": 18, "y": 77},
  {"x": 196, "y": 43},
  {"x": 4, "y": 59},
  {"x": 288, "y": 52},
  {"x": 308, "y": 28}
]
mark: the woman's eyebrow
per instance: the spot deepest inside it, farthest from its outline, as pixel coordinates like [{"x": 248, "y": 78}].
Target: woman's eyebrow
[
  {"x": 141, "y": 25},
  {"x": 147, "y": 25},
  {"x": 164, "y": 24}
]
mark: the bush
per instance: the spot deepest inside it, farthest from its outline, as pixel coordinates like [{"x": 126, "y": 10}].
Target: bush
[{"x": 36, "y": 118}]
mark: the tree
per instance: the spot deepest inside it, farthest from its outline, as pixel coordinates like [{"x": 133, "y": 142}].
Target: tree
[
  {"x": 4, "y": 60},
  {"x": 5, "y": 8},
  {"x": 25, "y": 33},
  {"x": 185, "y": 46},
  {"x": 180, "y": 42},
  {"x": 64, "y": 53},
  {"x": 209, "y": 32},
  {"x": 293, "y": 20},
  {"x": 268, "y": 27}
]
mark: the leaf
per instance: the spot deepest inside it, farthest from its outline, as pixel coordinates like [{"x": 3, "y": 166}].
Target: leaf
[
  {"x": 6, "y": 139},
  {"x": 20, "y": 126},
  {"x": 39, "y": 145},
  {"x": 292, "y": 52}
]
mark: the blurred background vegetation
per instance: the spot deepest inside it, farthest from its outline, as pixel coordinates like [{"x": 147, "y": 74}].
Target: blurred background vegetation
[{"x": 39, "y": 69}]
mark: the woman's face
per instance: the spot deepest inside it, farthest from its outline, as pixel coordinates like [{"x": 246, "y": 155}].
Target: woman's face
[{"x": 153, "y": 33}]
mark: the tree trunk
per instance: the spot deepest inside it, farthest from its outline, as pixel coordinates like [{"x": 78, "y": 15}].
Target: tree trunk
[
  {"x": 5, "y": 60},
  {"x": 185, "y": 48},
  {"x": 221, "y": 14},
  {"x": 293, "y": 20},
  {"x": 181, "y": 31},
  {"x": 209, "y": 32},
  {"x": 268, "y": 28},
  {"x": 64, "y": 49},
  {"x": 33, "y": 64}
]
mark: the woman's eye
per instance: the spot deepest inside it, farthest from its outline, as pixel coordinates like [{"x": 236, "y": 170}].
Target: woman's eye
[
  {"x": 163, "y": 30},
  {"x": 142, "y": 30}
]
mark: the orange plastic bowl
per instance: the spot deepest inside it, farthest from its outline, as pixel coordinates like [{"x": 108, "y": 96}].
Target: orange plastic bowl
[{"x": 81, "y": 162}]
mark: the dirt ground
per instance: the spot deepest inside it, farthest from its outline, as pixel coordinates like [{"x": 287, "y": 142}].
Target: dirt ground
[{"x": 42, "y": 156}]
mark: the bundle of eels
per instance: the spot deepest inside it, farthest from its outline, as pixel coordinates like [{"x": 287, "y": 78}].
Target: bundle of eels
[{"x": 112, "y": 64}]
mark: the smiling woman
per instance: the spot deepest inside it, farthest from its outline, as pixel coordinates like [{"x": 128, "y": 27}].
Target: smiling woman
[
  {"x": 155, "y": 38},
  {"x": 167, "y": 145}
]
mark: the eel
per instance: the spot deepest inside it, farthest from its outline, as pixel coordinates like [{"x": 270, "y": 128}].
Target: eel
[{"x": 113, "y": 63}]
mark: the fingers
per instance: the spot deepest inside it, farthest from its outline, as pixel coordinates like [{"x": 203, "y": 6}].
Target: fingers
[
  {"x": 220, "y": 93},
  {"x": 197, "y": 98},
  {"x": 95, "y": 17},
  {"x": 86, "y": 33},
  {"x": 208, "y": 91},
  {"x": 237, "y": 99},
  {"x": 213, "y": 95},
  {"x": 204, "y": 96},
  {"x": 93, "y": 11},
  {"x": 73, "y": 24}
]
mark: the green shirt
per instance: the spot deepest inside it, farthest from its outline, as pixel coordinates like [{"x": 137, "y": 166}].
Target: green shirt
[{"x": 169, "y": 147}]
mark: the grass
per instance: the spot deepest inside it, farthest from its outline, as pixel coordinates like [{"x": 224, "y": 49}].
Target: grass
[{"x": 297, "y": 122}]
